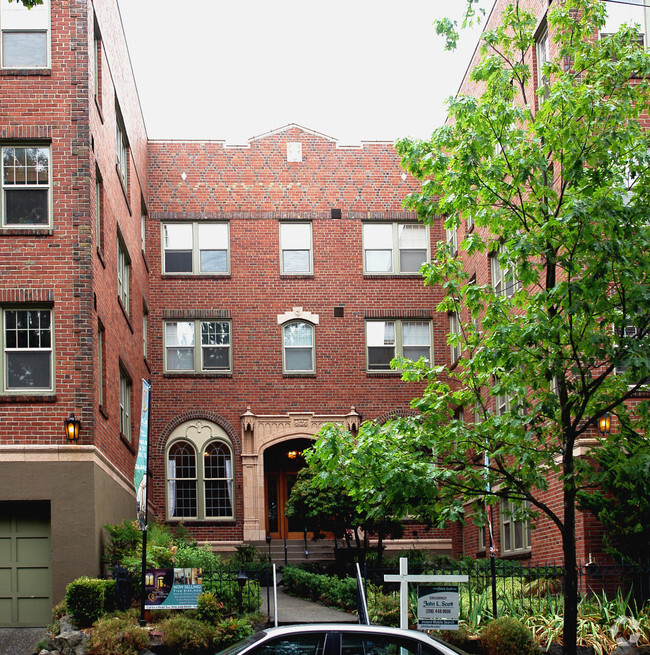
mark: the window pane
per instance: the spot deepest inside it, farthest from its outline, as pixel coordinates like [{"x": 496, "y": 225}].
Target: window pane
[
  {"x": 416, "y": 352},
  {"x": 212, "y": 261},
  {"x": 218, "y": 498},
  {"x": 179, "y": 333},
  {"x": 311, "y": 644},
  {"x": 377, "y": 237},
  {"x": 26, "y": 207},
  {"x": 180, "y": 359},
  {"x": 184, "y": 498},
  {"x": 178, "y": 261},
  {"x": 380, "y": 333},
  {"x": 213, "y": 236},
  {"x": 519, "y": 535},
  {"x": 415, "y": 333},
  {"x": 24, "y": 49},
  {"x": 379, "y": 358},
  {"x": 215, "y": 333},
  {"x": 410, "y": 261},
  {"x": 217, "y": 461},
  {"x": 352, "y": 644},
  {"x": 295, "y": 236},
  {"x": 177, "y": 237},
  {"x": 298, "y": 359},
  {"x": 26, "y": 370},
  {"x": 298, "y": 334},
  {"x": 412, "y": 236},
  {"x": 379, "y": 261},
  {"x": 295, "y": 261},
  {"x": 216, "y": 358}
]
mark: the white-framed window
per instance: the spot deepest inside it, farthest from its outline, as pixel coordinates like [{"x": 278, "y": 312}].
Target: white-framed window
[
  {"x": 394, "y": 248},
  {"x": 630, "y": 12},
  {"x": 503, "y": 280},
  {"x": 452, "y": 239},
  {"x": 196, "y": 248},
  {"x": 482, "y": 537},
  {"x": 101, "y": 377},
  {"x": 515, "y": 532},
  {"x": 121, "y": 149},
  {"x": 126, "y": 386},
  {"x": 97, "y": 63},
  {"x": 200, "y": 473},
  {"x": 28, "y": 349},
  {"x": 542, "y": 55},
  {"x": 99, "y": 211},
  {"x": 25, "y": 35},
  {"x": 454, "y": 332},
  {"x": 386, "y": 339},
  {"x": 213, "y": 354},
  {"x": 123, "y": 273},
  {"x": 26, "y": 184},
  {"x": 298, "y": 347},
  {"x": 145, "y": 330},
  {"x": 295, "y": 248}
]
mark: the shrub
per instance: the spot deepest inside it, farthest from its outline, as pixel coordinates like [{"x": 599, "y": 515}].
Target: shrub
[
  {"x": 120, "y": 635},
  {"x": 324, "y": 588},
  {"x": 507, "y": 636},
  {"x": 230, "y": 631},
  {"x": 87, "y": 599},
  {"x": 227, "y": 591},
  {"x": 185, "y": 636},
  {"x": 208, "y": 608}
]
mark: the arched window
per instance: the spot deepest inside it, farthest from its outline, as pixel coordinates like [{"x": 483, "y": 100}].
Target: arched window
[
  {"x": 200, "y": 473},
  {"x": 298, "y": 341}
]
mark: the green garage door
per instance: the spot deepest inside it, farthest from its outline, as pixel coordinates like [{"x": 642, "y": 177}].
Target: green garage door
[{"x": 25, "y": 571}]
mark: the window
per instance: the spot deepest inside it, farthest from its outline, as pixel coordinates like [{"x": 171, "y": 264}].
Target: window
[
  {"x": 388, "y": 339},
  {"x": 27, "y": 350},
  {"x": 143, "y": 229},
  {"x": 542, "y": 55},
  {"x": 196, "y": 248},
  {"x": 25, "y": 35},
  {"x": 298, "y": 347},
  {"x": 454, "y": 333},
  {"x": 125, "y": 404},
  {"x": 121, "y": 150},
  {"x": 452, "y": 239},
  {"x": 200, "y": 473},
  {"x": 482, "y": 541},
  {"x": 101, "y": 378},
  {"x": 123, "y": 273},
  {"x": 634, "y": 12},
  {"x": 295, "y": 248},
  {"x": 515, "y": 532},
  {"x": 503, "y": 280},
  {"x": 97, "y": 63},
  {"x": 99, "y": 211},
  {"x": 394, "y": 247},
  {"x": 214, "y": 354},
  {"x": 26, "y": 186},
  {"x": 145, "y": 330}
]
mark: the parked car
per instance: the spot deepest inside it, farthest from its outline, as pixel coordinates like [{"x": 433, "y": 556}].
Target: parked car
[{"x": 340, "y": 639}]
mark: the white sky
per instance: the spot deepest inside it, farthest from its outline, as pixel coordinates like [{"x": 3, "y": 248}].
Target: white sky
[{"x": 351, "y": 69}]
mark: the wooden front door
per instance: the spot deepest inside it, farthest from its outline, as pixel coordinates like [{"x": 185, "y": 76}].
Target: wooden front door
[{"x": 278, "y": 488}]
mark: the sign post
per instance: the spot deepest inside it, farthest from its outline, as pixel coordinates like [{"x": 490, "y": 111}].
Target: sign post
[
  {"x": 404, "y": 578},
  {"x": 140, "y": 484}
]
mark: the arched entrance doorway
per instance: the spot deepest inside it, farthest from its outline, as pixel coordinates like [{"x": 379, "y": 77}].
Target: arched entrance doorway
[{"x": 282, "y": 463}]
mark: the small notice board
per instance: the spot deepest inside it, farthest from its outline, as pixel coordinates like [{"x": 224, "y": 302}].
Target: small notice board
[{"x": 438, "y": 607}]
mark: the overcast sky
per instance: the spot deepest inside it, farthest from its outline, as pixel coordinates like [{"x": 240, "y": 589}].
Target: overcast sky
[{"x": 351, "y": 69}]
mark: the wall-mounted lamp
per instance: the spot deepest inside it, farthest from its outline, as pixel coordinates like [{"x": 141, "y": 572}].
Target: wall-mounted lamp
[
  {"x": 604, "y": 424},
  {"x": 72, "y": 427}
]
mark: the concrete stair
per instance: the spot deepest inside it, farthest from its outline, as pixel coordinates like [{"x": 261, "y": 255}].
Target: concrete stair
[{"x": 322, "y": 550}]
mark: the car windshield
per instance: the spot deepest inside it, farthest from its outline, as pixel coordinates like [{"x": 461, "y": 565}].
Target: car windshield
[{"x": 241, "y": 645}]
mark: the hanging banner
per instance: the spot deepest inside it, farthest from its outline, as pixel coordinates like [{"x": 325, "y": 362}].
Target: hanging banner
[
  {"x": 437, "y": 607},
  {"x": 173, "y": 589},
  {"x": 140, "y": 474}
]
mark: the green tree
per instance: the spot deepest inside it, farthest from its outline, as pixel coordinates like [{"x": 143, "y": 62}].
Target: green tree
[{"x": 559, "y": 195}]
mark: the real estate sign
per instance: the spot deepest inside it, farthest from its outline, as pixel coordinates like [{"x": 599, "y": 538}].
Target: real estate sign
[
  {"x": 173, "y": 589},
  {"x": 438, "y": 607}
]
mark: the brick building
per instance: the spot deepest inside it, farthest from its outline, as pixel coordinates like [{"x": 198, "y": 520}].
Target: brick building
[{"x": 262, "y": 289}]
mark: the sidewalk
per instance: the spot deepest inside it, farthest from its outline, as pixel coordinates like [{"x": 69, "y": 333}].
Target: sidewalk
[
  {"x": 20, "y": 641},
  {"x": 296, "y": 610}
]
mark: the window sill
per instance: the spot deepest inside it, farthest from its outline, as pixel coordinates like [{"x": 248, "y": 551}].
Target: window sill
[
  {"x": 299, "y": 375},
  {"x": 127, "y": 442},
  {"x": 144, "y": 259},
  {"x": 202, "y": 374},
  {"x": 296, "y": 276},
  {"x": 523, "y": 554},
  {"x": 392, "y": 276},
  {"x": 210, "y": 521},
  {"x": 27, "y": 72},
  {"x": 27, "y": 231},
  {"x": 28, "y": 398},
  {"x": 99, "y": 110},
  {"x": 100, "y": 254},
  {"x": 125, "y": 190},
  {"x": 383, "y": 374},
  {"x": 195, "y": 276},
  {"x": 103, "y": 411}
]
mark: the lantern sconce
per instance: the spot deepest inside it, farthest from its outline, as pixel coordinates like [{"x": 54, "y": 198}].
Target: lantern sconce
[
  {"x": 605, "y": 424},
  {"x": 72, "y": 427}
]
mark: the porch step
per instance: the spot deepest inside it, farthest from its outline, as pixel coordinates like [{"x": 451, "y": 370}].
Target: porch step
[{"x": 295, "y": 550}]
